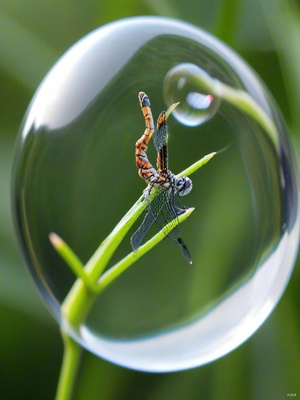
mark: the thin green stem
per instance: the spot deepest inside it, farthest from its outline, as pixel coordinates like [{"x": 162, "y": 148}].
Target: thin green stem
[
  {"x": 241, "y": 100},
  {"x": 244, "y": 102},
  {"x": 69, "y": 369}
]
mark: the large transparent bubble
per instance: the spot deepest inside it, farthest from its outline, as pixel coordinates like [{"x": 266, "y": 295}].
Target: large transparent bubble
[{"x": 75, "y": 175}]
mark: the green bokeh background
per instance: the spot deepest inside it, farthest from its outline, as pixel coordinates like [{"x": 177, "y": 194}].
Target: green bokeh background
[{"x": 33, "y": 35}]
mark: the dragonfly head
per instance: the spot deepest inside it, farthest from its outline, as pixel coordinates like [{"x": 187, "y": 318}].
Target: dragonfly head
[{"x": 184, "y": 186}]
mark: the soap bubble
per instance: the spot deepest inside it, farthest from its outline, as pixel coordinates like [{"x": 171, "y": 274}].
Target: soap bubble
[{"x": 75, "y": 175}]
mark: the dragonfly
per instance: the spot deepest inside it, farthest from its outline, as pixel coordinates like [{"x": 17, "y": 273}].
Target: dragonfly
[{"x": 166, "y": 206}]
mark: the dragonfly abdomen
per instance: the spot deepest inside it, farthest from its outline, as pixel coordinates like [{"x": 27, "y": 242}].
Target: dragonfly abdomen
[
  {"x": 145, "y": 169},
  {"x": 147, "y": 113}
]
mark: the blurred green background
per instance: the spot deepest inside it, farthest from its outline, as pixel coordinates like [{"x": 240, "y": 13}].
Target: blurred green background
[{"x": 33, "y": 35}]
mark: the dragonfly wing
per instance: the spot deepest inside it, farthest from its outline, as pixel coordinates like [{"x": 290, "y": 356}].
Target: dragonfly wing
[
  {"x": 140, "y": 233},
  {"x": 162, "y": 210},
  {"x": 168, "y": 213},
  {"x": 160, "y": 139},
  {"x": 158, "y": 212},
  {"x": 184, "y": 250},
  {"x": 154, "y": 209},
  {"x": 175, "y": 211},
  {"x": 161, "y": 133}
]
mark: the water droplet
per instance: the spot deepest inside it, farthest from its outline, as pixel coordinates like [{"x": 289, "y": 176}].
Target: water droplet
[
  {"x": 184, "y": 83},
  {"x": 74, "y": 175}
]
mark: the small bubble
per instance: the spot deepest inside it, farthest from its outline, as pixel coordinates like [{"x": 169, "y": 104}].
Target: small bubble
[{"x": 186, "y": 83}]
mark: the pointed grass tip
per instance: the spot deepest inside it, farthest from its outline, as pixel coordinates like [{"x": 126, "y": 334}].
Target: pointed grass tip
[
  {"x": 55, "y": 240},
  {"x": 171, "y": 108}
]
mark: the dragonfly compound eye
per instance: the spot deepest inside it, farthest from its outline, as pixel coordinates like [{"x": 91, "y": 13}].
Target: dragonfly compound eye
[{"x": 184, "y": 186}]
